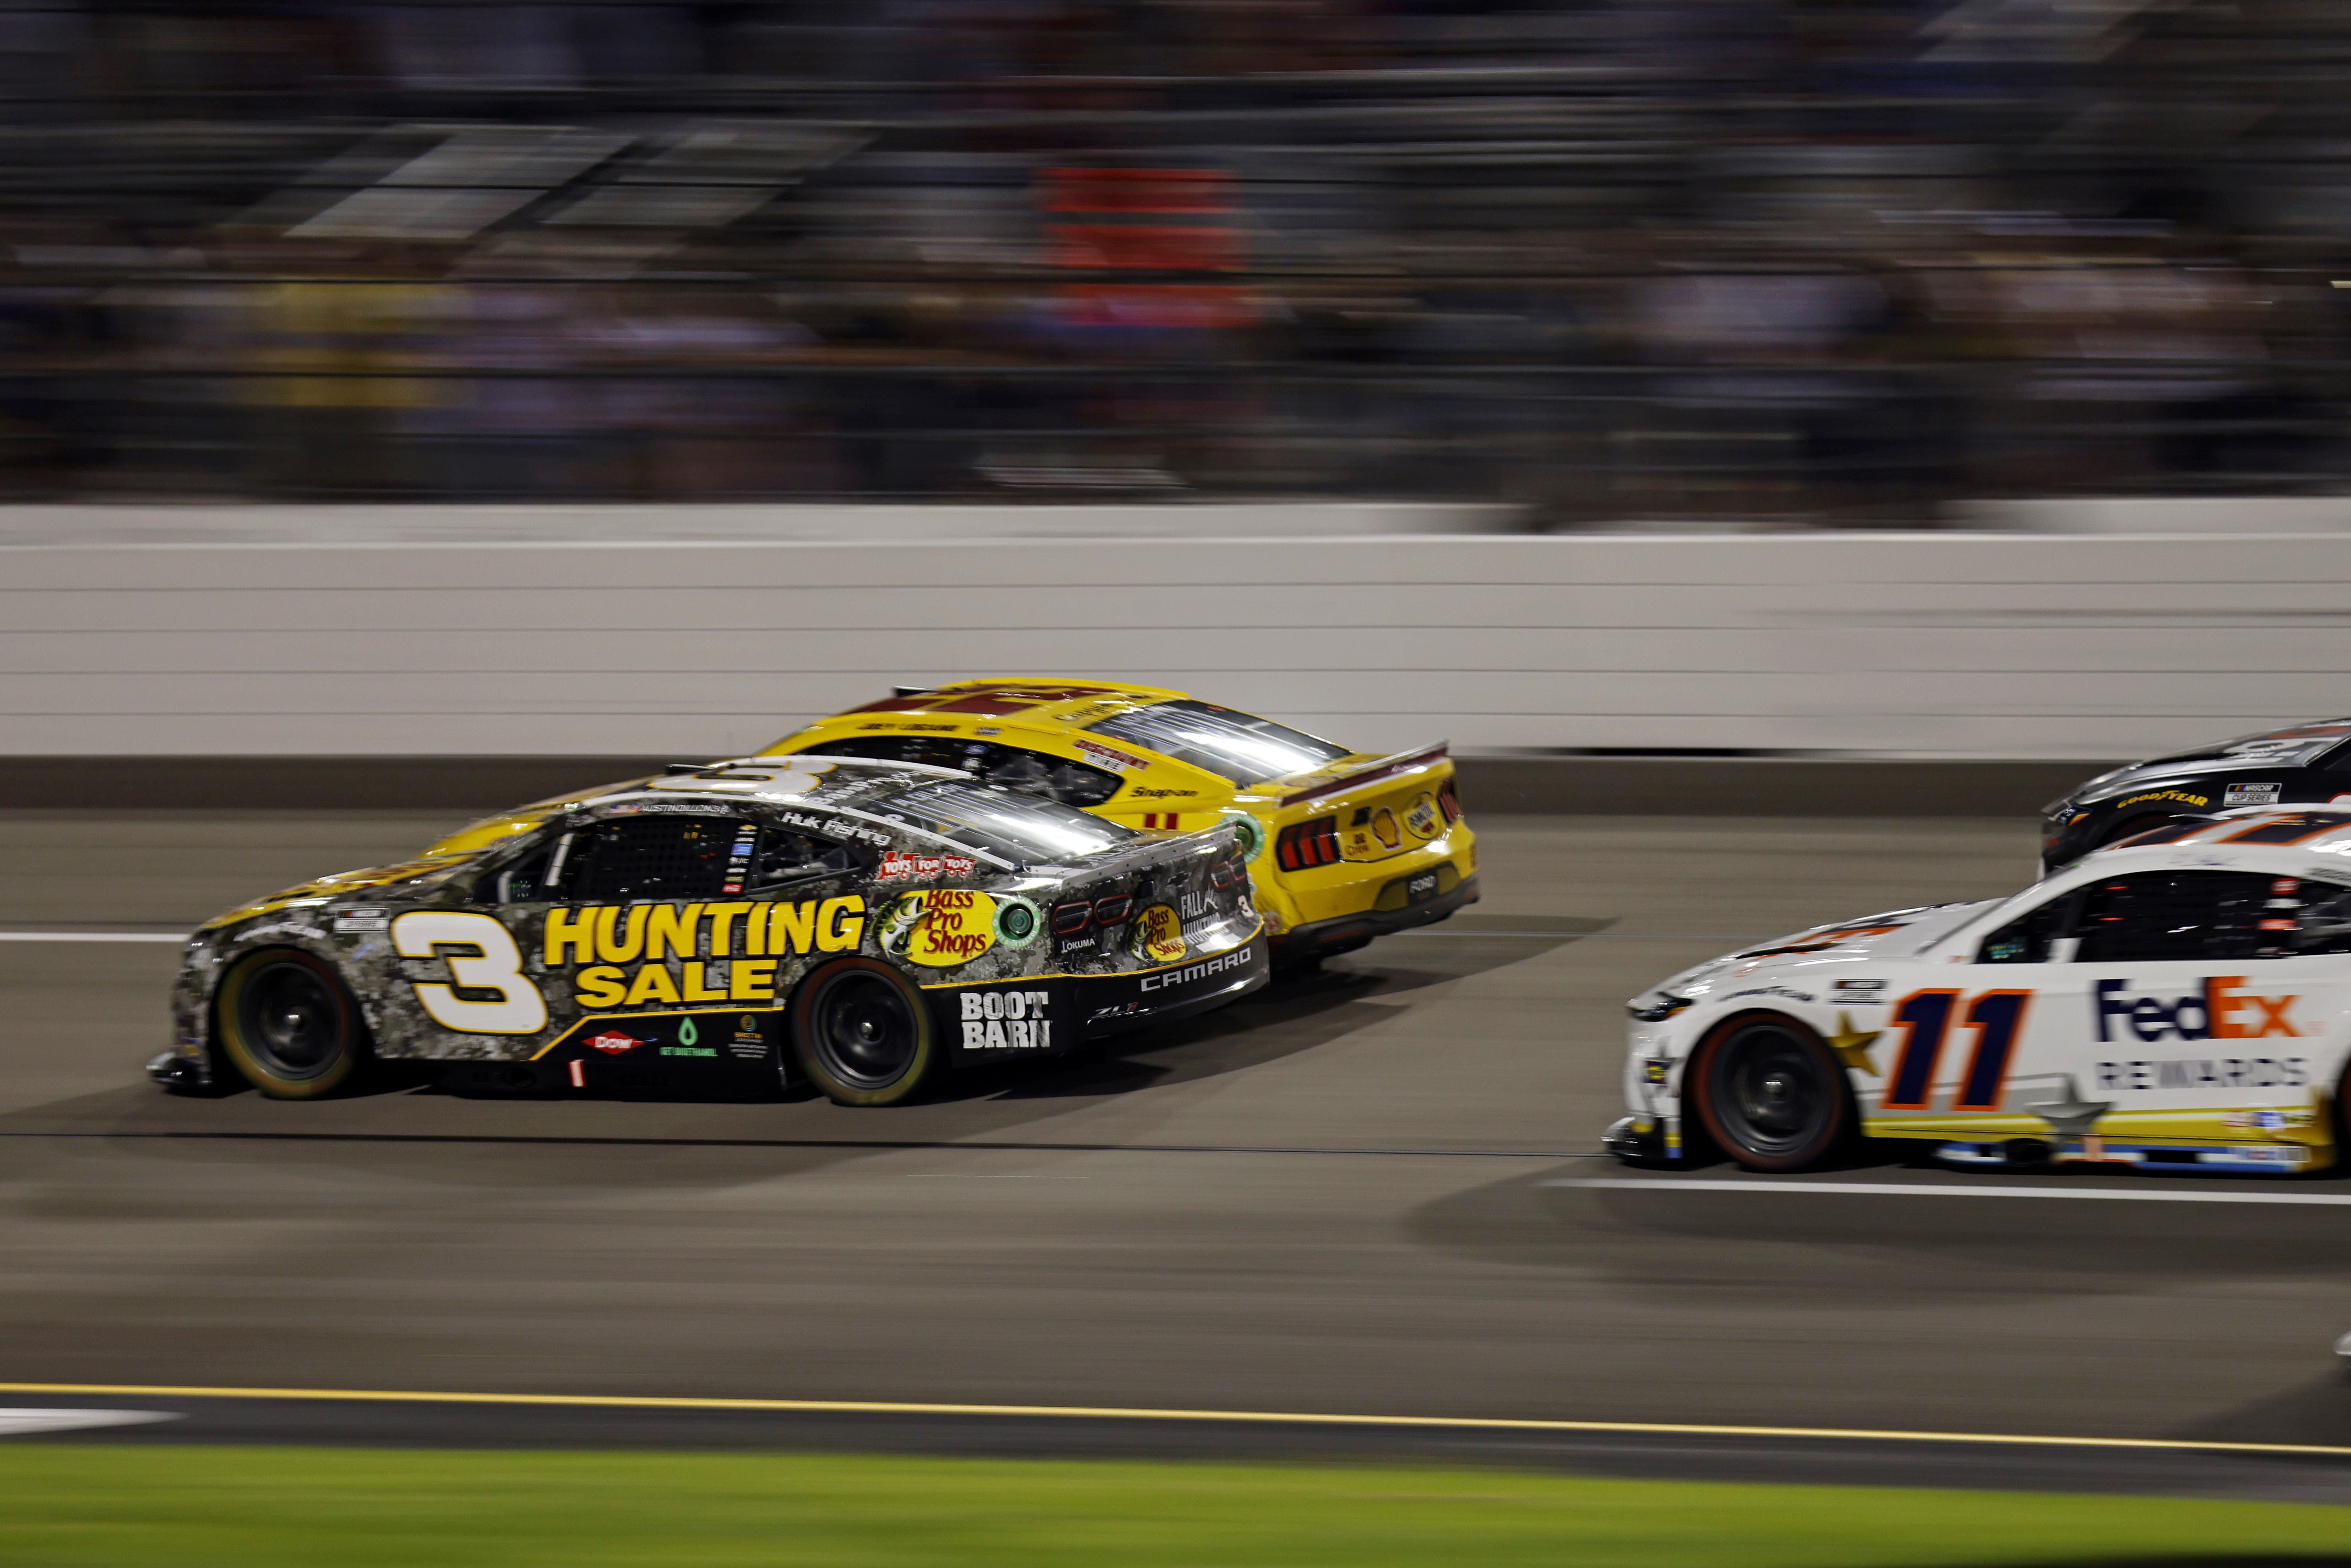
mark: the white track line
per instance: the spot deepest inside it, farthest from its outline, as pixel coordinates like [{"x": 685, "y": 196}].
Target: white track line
[
  {"x": 93, "y": 936},
  {"x": 1917, "y": 1189}
]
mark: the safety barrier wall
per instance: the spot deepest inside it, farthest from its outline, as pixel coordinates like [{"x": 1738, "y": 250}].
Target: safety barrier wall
[{"x": 1959, "y": 645}]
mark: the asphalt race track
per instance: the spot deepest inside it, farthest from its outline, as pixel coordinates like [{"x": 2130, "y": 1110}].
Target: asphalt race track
[{"x": 1361, "y": 1193}]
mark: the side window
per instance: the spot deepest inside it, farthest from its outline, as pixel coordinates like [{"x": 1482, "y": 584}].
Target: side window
[
  {"x": 1055, "y": 777},
  {"x": 1005, "y": 767},
  {"x": 2184, "y": 914},
  {"x": 2026, "y": 939},
  {"x": 522, "y": 880},
  {"x": 2305, "y": 917},
  {"x": 785, "y": 858},
  {"x": 658, "y": 857}
]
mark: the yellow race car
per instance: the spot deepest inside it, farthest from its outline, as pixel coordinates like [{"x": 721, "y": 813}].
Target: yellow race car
[{"x": 1342, "y": 846}]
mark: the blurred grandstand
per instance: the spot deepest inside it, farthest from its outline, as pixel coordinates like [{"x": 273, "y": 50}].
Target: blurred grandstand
[{"x": 1736, "y": 259}]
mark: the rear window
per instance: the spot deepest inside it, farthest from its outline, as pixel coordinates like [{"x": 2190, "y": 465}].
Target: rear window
[
  {"x": 1238, "y": 746},
  {"x": 1011, "y": 827}
]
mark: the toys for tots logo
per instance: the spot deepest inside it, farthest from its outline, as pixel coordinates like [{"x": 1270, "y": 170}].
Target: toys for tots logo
[
  {"x": 941, "y": 927},
  {"x": 1159, "y": 935}
]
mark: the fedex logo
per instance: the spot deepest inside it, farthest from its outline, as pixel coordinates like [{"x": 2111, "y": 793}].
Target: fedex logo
[{"x": 2220, "y": 1010}]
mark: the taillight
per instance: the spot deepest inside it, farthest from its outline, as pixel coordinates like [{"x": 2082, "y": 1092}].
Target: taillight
[
  {"x": 1068, "y": 919},
  {"x": 1448, "y": 802},
  {"x": 1309, "y": 844},
  {"x": 1112, "y": 910}
]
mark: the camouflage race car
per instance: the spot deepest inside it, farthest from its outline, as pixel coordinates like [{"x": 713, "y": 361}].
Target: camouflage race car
[{"x": 866, "y": 927}]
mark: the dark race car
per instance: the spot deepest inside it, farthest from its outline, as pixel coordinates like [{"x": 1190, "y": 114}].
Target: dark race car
[
  {"x": 2304, "y": 764},
  {"x": 866, "y": 927}
]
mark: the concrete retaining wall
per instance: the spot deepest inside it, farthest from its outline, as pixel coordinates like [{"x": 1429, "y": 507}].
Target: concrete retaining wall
[{"x": 1934, "y": 645}]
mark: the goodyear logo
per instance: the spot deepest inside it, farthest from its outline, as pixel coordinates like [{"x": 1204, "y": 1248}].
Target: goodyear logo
[
  {"x": 2180, "y": 795},
  {"x": 723, "y": 951},
  {"x": 940, "y": 927}
]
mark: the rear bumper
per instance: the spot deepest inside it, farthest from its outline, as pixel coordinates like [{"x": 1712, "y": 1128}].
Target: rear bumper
[
  {"x": 1000, "y": 1021},
  {"x": 1344, "y": 931}
]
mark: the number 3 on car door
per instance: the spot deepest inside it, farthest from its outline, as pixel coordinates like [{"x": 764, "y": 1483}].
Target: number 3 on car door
[{"x": 482, "y": 957}]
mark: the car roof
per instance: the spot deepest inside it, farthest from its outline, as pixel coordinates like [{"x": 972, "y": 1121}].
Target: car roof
[
  {"x": 1046, "y": 702},
  {"x": 737, "y": 779},
  {"x": 2281, "y": 840}
]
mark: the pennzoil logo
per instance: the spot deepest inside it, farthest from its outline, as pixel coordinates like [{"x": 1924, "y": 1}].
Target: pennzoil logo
[
  {"x": 940, "y": 927},
  {"x": 1158, "y": 934},
  {"x": 1420, "y": 817}
]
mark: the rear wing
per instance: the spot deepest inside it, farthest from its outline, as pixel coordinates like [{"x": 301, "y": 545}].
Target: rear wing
[{"x": 1365, "y": 773}]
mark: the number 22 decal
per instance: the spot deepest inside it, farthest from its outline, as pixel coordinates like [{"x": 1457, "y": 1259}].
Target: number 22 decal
[
  {"x": 495, "y": 965},
  {"x": 1925, "y": 1019}
]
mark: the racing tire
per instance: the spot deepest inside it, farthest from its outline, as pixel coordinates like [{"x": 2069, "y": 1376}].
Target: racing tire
[
  {"x": 1771, "y": 1094},
  {"x": 287, "y": 1024},
  {"x": 862, "y": 1033}
]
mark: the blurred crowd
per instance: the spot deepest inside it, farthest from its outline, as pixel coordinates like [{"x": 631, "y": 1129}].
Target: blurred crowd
[{"x": 1798, "y": 260}]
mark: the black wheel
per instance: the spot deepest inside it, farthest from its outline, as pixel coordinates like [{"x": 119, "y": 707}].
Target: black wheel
[
  {"x": 1771, "y": 1094},
  {"x": 287, "y": 1021},
  {"x": 862, "y": 1033}
]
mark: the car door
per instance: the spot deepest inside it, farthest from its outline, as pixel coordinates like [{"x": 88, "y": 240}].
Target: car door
[{"x": 2210, "y": 997}]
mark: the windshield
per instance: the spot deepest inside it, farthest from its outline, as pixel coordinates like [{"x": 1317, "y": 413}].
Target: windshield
[
  {"x": 1011, "y": 828},
  {"x": 1233, "y": 744}
]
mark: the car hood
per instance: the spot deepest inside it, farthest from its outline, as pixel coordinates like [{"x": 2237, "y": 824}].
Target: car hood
[
  {"x": 2295, "y": 746},
  {"x": 1897, "y": 932}
]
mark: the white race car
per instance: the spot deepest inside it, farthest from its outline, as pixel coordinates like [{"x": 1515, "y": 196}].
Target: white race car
[{"x": 2178, "y": 1001}]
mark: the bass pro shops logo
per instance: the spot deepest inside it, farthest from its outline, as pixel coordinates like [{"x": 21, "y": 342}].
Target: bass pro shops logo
[
  {"x": 2219, "y": 1010},
  {"x": 941, "y": 927},
  {"x": 1158, "y": 934}
]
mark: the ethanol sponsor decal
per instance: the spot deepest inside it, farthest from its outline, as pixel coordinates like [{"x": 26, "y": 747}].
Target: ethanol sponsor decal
[
  {"x": 940, "y": 927},
  {"x": 1158, "y": 934},
  {"x": 724, "y": 952}
]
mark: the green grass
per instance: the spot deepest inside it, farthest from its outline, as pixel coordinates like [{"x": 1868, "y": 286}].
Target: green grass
[{"x": 352, "y": 1507}]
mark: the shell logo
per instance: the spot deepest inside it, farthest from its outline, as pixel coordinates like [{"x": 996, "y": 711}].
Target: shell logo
[
  {"x": 1159, "y": 935},
  {"x": 941, "y": 927},
  {"x": 1384, "y": 827}
]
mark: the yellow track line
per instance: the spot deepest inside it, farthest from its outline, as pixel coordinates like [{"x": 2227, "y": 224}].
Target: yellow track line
[{"x": 1120, "y": 1413}]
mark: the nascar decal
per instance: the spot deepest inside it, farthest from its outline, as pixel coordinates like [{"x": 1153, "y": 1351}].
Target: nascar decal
[
  {"x": 1007, "y": 1020},
  {"x": 1158, "y": 934},
  {"x": 940, "y": 927},
  {"x": 742, "y": 942}
]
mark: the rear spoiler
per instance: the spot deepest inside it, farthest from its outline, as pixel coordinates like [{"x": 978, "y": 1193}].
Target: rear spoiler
[{"x": 1380, "y": 768}]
